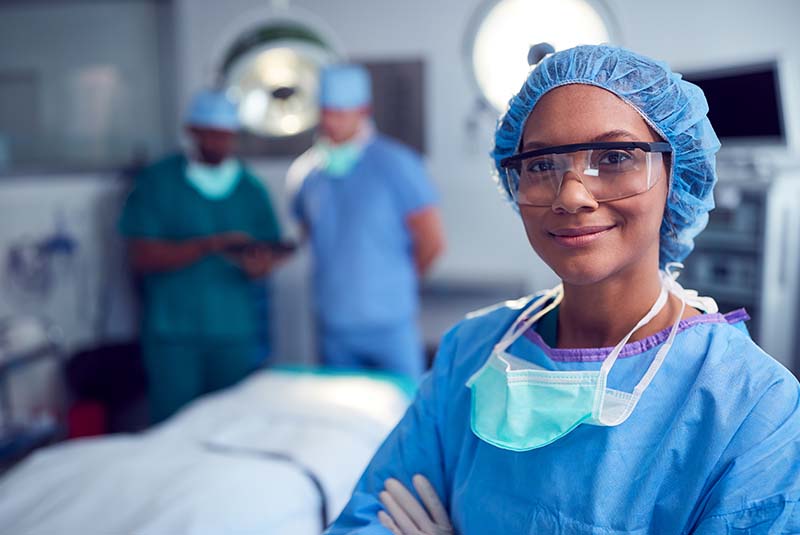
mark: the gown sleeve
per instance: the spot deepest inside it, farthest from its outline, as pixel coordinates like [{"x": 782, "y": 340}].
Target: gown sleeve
[
  {"x": 414, "y": 446},
  {"x": 414, "y": 187},
  {"x": 758, "y": 491}
]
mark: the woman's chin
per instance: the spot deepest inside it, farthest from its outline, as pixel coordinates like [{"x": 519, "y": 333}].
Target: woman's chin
[{"x": 581, "y": 271}]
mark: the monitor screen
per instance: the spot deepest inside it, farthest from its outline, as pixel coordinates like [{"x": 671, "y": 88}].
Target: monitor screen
[{"x": 744, "y": 102}]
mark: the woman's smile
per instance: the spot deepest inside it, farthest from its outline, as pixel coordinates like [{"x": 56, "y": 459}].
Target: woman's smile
[{"x": 579, "y": 236}]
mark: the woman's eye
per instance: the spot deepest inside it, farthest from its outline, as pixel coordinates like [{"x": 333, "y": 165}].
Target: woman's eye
[
  {"x": 540, "y": 166},
  {"x": 614, "y": 158}
]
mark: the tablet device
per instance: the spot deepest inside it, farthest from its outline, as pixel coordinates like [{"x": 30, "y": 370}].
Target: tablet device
[{"x": 278, "y": 247}]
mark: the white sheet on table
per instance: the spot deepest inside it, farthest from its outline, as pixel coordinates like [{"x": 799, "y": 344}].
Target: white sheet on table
[{"x": 167, "y": 481}]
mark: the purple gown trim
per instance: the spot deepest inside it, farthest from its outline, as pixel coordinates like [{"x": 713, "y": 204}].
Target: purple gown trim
[{"x": 634, "y": 348}]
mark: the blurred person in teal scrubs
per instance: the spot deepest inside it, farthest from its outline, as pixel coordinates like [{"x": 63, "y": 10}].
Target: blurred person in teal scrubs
[
  {"x": 370, "y": 212},
  {"x": 191, "y": 220}
]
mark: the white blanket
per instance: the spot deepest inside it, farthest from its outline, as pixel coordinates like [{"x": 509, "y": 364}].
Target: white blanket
[{"x": 195, "y": 473}]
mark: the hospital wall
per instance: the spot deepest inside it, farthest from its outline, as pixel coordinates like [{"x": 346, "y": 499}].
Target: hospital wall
[
  {"x": 179, "y": 43},
  {"x": 86, "y": 80}
]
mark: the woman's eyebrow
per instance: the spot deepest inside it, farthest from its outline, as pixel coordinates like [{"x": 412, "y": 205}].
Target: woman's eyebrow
[
  {"x": 605, "y": 136},
  {"x": 614, "y": 134},
  {"x": 533, "y": 145}
]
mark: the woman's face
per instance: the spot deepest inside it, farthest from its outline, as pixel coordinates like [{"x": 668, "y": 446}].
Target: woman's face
[{"x": 584, "y": 241}]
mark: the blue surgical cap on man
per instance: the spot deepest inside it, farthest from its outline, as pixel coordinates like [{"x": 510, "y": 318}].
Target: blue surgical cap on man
[
  {"x": 212, "y": 109},
  {"x": 673, "y": 107},
  {"x": 344, "y": 87}
]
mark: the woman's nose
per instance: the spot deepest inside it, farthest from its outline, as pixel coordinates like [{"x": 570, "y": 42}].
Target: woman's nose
[{"x": 572, "y": 196}]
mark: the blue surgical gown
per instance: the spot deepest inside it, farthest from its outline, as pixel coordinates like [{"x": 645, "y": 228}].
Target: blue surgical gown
[
  {"x": 364, "y": 271},
  {"x": 365, "y": 277},
  {"x": 713, "y": 446}
]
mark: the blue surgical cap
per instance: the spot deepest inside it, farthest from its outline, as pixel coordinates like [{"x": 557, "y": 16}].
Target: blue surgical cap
[
  {"x": 344, "y": 87},
  {"x": 212, "y": 109},
  {"x": 673, "y": 107}
]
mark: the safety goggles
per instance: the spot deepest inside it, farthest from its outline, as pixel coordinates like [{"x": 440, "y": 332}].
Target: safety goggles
[{"x": 609, "y": 170}]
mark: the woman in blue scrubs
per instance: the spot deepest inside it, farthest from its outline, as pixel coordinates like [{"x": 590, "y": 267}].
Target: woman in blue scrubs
[{"x": 617, "y": 402}]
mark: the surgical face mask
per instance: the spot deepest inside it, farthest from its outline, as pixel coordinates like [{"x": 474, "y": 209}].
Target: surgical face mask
[
  {"x": 519, "y": 406},
  {"x": 339, "y": 160},
  {"x": 214, "y": 182}
]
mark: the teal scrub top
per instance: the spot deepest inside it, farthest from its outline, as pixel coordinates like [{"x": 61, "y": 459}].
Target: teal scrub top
[{"x": 212, "y": 298}]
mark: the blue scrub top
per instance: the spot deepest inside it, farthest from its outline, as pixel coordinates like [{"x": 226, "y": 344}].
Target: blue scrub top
[
  {"x": 364, "y": 272},
  {"x": 211, "y": 298},
  {"x": 713, "y": 446}
]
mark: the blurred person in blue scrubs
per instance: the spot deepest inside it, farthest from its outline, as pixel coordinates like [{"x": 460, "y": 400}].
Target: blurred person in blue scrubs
[
  {"x": 618, "y": 401},
  {"x": 191, "y": 221},
  {"x": 369, "y": 209}
]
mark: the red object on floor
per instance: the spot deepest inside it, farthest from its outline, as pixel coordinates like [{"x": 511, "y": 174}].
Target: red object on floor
[{"x": 86, "y": 419}]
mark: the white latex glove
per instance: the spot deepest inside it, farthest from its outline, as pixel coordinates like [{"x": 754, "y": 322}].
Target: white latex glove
[{"x": 406, "y": 516}]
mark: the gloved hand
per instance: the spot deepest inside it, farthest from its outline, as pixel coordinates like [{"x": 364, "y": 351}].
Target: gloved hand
[{"x": 406, "y": 516}]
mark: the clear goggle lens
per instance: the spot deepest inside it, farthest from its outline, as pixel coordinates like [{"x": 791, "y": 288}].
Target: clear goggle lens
[{"x": 607, "y": 174}]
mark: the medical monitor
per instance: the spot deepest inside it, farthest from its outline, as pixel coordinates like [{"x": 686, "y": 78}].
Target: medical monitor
[{"x": 744, "y": 103}]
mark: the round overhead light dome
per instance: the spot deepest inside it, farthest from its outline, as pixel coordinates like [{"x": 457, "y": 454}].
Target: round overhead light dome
[
  {"x": 272, "y": 73},
  {"x": 506, "y": 31}
]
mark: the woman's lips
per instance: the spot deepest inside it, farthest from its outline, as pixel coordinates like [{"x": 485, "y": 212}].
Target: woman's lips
[{"x": 579, "y": 236}]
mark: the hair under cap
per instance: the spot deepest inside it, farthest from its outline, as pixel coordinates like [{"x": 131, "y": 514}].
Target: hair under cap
[
  {"x": 344, "y": 86},
  {"x": 212, "y": 109}
]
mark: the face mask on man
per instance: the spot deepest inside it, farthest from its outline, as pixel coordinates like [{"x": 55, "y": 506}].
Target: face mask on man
[
  {"x": 214, "y": 182},
  {"x": 339, "y": 160}
]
